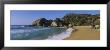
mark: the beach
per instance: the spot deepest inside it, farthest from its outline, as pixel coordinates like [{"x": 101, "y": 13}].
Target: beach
[
  {"x": 54, "y": 33},
  {"x": 84, "y": 33},
  {"x": 80, "y": 33}
]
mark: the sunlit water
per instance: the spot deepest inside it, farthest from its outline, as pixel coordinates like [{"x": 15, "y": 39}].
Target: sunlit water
[{"x": 25, "y": 32}]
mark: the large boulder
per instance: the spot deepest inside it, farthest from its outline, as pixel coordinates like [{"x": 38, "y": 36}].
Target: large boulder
[{"x": 54, "y": 24}]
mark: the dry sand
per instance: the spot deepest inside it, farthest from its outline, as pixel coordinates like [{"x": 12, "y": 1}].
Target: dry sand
[{"x": 84, "y": 33}]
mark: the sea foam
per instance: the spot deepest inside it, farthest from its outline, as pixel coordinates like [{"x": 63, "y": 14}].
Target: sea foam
[
  {"x": 62, "y": 35},
  {"x": 26, "y": 30}
]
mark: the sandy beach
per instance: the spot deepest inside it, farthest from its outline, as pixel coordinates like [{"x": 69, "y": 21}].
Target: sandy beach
[{"x": 84, "y": 33}]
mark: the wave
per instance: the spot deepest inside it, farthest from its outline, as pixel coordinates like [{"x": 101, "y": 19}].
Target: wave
[
  {"x": 27, "y": 30},
  {"x": 61, "y": 36},
  {"x": 38, "y": 33}
]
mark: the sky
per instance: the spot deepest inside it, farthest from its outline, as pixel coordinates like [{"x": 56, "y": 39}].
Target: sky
[{"x": 25, "y": 17}]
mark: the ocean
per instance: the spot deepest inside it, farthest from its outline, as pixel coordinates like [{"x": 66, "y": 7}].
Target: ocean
[{"x": 27, "y": 32}]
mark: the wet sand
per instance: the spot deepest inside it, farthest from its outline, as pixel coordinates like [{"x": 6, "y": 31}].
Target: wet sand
[{"x": 84, "y": 33}]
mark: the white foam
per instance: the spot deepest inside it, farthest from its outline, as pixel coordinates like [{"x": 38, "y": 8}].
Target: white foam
[
  {"x": 27, "y": 30},
  {"x": 61, "y": 36}
]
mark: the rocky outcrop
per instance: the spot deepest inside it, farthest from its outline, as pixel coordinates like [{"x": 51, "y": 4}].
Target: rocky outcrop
[
  {"x": 40, "y": 22},
  {"x": 54, "y": 23}
]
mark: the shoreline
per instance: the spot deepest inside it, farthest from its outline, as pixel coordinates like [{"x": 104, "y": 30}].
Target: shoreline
[
  {"x": 81, "y": 33},
  {"x": 61, "y": 36},
  {"x": 84, "y": 33}
]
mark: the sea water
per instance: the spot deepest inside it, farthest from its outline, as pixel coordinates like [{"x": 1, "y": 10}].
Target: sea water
[
  {"x": 26, "y": 32},
  {"x": 62, "y": 35}
]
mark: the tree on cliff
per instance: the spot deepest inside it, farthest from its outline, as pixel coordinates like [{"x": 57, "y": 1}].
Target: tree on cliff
[{"x": 80, "y": 19}]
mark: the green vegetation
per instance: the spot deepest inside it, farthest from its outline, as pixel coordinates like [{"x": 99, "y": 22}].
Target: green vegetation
[{"x": 73, "y": 19}]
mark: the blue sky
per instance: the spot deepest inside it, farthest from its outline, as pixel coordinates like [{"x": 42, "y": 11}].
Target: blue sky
[{"x": 25, "y": 17}]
